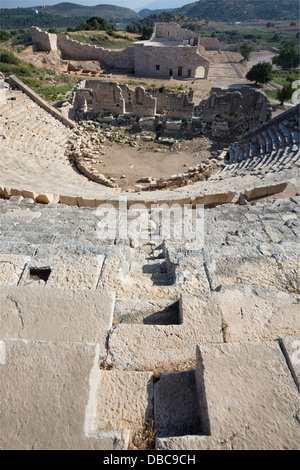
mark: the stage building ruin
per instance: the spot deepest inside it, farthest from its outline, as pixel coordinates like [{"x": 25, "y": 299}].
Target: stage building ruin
[{"x": 171, "y": 51}]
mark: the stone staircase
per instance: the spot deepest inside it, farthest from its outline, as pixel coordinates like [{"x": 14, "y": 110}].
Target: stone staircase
[{"x": 99, "y": 338}]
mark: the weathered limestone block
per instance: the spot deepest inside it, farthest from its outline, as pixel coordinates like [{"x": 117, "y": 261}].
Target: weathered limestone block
[
  {"x": 247, "y": 400},
  {"x": 124, "y": 401},
  {"x": 69, "y": 200},
  {"x": 167, "y": 347},
  {"x": 55, "y": 314},
  {"x": 254, "y": 314},
  {"x": 11, "y": 268},
  {"x": 261, "y": 191},
  {"x": 29, "y": 194},
  {"x": 47, "y": 198},
  {"x": 65, "y": 271},
  {"x": 211, "y": 200},
  {"x": 47, "y": 396},
  {"x": 229, "y": 266}
]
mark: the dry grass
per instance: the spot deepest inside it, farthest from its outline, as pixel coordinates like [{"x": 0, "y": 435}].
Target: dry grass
[
  {"x": 104, "y": 365},
  {"x": 143, "y": 438},
  {"x": 225, "y": 330}
]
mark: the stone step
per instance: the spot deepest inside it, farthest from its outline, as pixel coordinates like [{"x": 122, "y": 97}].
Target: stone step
[
  {"x": 234, "y": 392},
  {"x": 56, "y": 314},
  {"x": 48, "y": 396}
]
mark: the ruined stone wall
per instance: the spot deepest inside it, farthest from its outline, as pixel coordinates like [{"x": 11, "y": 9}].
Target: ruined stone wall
[
  {"x": 43, "y": 40},
  {"x": 138, "y": 102},
  {"x": 233, "y": 110},
  {"x": 232, "y": 103},
  {"x": 97, "y": 96},
  {"x": 174, "y": 105},
  {"x": 183, "y": 57},
  {"x": 210, "y": 44},
  {"x": 173, "y": 31},
  {"x": 118, "y": 58},
  {"x": 152, "y": 61}
]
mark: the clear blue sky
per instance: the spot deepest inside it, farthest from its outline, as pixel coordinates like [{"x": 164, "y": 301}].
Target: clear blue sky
[{"x": 133, "y": 4}]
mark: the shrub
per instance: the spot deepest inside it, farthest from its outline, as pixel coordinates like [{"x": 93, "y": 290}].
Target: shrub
[{"x": 8, "y": 58}]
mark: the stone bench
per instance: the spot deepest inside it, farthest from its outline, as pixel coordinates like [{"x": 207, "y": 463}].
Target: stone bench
[{"x": 247, "y": 400}]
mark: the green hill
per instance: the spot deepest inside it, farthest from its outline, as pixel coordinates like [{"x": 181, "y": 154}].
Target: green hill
[
  {"x": 146, "y": 12},
  {"x": 241, "y": 10},
  {"x": 108, "y": 12},
  {"x": 61, "y": 15}
]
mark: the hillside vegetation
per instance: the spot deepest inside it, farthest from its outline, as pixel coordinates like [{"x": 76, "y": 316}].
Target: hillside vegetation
[
  {"x": 241, "y": 10},
  {"x": 62, "y": 15}
]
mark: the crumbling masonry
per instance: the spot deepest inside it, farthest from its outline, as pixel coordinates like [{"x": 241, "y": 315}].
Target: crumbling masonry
[{"x": 171, "y": 51}]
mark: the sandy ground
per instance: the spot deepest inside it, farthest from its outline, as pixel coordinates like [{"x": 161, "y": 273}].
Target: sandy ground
[{"x": 151, "y": 159}]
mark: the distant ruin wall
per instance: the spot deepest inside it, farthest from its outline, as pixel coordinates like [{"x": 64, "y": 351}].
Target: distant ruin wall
[
  {"x": 43, "y": 40},
  {"x": 277, "y": 119},
  {"x": 210, "y": 44},
  {"x": 172, "y": 31},
  {"x": 119, "y": 58},
  {"x": 233, "y": 110}
]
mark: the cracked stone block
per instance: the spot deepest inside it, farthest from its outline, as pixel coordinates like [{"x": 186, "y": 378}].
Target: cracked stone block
[
  {"x": 254, "y": 314},
  {"x": 11, "y": 268},
  {"x": 46, "y": 396},
  {"x": 124, "y": 401},
  {"x": 54, "y": 314}
]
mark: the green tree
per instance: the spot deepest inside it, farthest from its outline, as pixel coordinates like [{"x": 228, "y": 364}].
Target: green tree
[
  {"x": 288, "y": 57},
  {"x": 284, "y": 93},
  {"x": 261, "y": 72},
  {"x": 4, "y": 36},
  {"x": 245, "y": 50}
]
